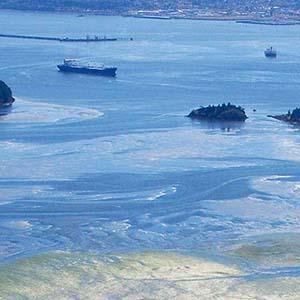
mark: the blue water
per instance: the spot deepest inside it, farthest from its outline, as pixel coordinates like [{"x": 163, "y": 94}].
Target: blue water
[{"x": 106, "y": 165}]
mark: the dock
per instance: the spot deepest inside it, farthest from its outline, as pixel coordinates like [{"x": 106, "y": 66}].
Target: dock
[{"x": 87, "y": 39}]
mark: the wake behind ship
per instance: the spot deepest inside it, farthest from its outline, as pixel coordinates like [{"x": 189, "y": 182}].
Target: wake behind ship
[{"x": 73, "y": 66}]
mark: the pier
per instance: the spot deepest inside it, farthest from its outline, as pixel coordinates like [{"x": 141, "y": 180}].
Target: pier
[{"x": 87, "y": 39}]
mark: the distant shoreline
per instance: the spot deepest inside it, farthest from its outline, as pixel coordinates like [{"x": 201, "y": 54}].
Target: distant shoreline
[
  {"x": 284, "y": 21},
  {"x": 241, "y": 20}
]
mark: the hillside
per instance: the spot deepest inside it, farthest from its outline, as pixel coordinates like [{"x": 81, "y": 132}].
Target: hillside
[
  {"x": 125, "y": 5},
  {"x": 253, "y": 8}
]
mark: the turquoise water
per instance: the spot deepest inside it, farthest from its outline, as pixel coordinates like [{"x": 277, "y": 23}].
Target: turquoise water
[{"x": 105, "y": 167}]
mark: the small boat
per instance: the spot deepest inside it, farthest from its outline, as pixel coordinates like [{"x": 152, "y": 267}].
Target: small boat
[
  {"x": 270, "y": 52},
  {"x": 73, "y": 66}
]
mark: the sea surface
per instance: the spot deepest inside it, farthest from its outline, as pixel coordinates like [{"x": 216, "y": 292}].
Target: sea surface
[{"x": 107, "y": 190}]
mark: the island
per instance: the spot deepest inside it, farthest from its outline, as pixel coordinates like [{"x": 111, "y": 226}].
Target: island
[
  {"x": 6, "y": 97},
  {"x": 224, "y": 112},
  {"x": 291, "y": 117}
]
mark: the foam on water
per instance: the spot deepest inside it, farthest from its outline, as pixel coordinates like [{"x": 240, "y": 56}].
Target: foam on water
[
  {"x": 32, "y": 112},
  {"x": 20, "y": 224},
  {"x": 143, "y": 152},
  {"x": 44, "y": 192},
  {"x": 162, "y": 193},
  {"x": 279, "y": 186},
  {"x": 271, "y": 206}
]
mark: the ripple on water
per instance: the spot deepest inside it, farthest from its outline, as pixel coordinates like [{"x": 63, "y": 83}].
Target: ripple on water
[
  {"x": 180, "y": 149},
  {"x": 271, "y": 206},
  {"x": 284, "y": 187}
]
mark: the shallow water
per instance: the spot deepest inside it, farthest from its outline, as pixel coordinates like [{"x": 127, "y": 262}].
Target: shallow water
[{"x": 110, "y": 167}]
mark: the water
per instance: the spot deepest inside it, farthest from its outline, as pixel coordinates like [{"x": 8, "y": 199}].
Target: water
[{"x": 98, "y": 172}]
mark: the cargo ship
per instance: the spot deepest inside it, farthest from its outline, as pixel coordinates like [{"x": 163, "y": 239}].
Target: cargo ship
[
  {"x": 73, "y": 66},
  {"x": 270, "y": 52}
]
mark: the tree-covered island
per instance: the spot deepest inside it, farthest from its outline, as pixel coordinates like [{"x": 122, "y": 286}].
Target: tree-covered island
[
  {"x": 224, "y": 112},
  {"x": 6, "y": 97}
]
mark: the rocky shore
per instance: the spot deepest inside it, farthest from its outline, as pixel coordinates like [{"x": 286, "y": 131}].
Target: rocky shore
[
  {"x": 224, "y": 112},
  {"x": 291, "y": 117}
]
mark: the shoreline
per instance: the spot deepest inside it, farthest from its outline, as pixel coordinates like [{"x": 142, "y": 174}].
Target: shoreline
[
  {"x": 246, "y": 19},
  {"x": 127, "y": 275},
  {"x": 240, "y": 20}
]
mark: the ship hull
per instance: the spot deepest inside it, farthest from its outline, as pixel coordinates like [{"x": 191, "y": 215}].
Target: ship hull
[
  {"x": 270, "y": 54},
  {"x": 110, "y": 72}
]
